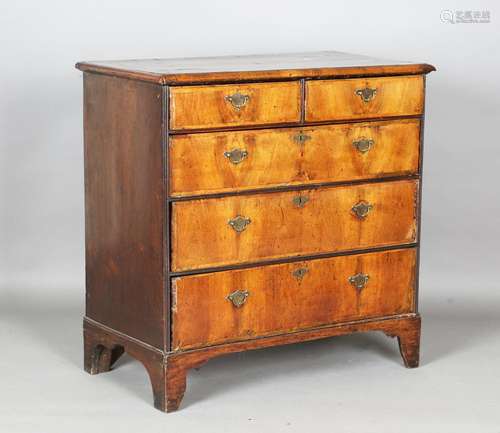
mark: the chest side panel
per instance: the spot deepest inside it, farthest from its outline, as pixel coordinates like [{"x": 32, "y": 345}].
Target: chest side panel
[{"x": 124, "y": 206}]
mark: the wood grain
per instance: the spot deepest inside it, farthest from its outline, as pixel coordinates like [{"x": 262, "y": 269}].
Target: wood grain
[
  {"x": 202, "y": 237},
  {"x": 253, "y": 67},
  {"x": 196, "y": 107},
  {"x": 124, "y": 207},
  {"x": 280, "y": 301},
  {"x": 198, "y": 165},
  {"x": 337, "y": 99}
]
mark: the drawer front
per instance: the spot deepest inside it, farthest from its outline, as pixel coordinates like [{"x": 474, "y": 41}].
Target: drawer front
[
  {"x": 243, "y": 304},
  {"x": 364, "y": 98},
  {"x": 200, "y": 107},
  {"x": 218, "y": 162},
  {"x": 230, "y": 230}
]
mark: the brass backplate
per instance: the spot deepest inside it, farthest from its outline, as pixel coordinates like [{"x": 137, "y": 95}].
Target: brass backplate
[
  {"x": 359, "y": 280},
  {"x": 238, "y": 297},
  {"x": 301, "y": 138},
  {"x": 236, "y": 155},
  {"x": 300, "y": 273},
  {"x": 363, "y": 145},
  {"x": 367, "y": 94},
  {"x": 239, "y": 223},
  {"x": 300, "y": 200},
  {"x": 237, "y": 100},
  {"x": 362, "y": 209}
]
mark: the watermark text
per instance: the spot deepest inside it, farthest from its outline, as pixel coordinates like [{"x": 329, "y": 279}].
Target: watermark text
[{"x": 465, "y": 17}]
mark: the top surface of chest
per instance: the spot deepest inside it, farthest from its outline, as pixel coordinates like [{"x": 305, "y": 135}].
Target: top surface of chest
[{"x": 254, "y": 67}]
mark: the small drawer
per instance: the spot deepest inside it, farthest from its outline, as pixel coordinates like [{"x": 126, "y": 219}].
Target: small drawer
[
  {"x": 224, "y": 161},
  {"x": 243, "y": 304},
  {"x": 205, "y": 107},
  {"x": 237, "y": 229},
  {"x": 364, "y": 98}
]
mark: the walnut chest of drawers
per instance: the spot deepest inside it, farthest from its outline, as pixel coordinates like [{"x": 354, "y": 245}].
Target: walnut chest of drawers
[{"x": 238, "y": 203}]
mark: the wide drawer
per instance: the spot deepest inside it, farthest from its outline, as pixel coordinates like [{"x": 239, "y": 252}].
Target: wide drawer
[
  {"x": 204, "y": 107},
  {"x": 224, "y": 161},
  {"x": 364, "y": 98},
  {"x": 238, "y": 229},
  {"x": 242, "y": 304}
]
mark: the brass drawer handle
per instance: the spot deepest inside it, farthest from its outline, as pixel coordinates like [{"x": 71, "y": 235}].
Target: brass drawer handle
[
  {"x": 301, "y": 138},
  {"x": 238, "y": 297},
  {"x": 236, "y": 155},
  {"x": 300, "y": 273},
  {"x": 237, "y": 100},
  {"x": 362, "y": 209},
  {"x": 359, "y": 280},
  {"x": 367, "y": 94},
  {"x": 300, "y": 200},
  {"x": 239, "y": 223},
  {"x": 363, "y": 145}
]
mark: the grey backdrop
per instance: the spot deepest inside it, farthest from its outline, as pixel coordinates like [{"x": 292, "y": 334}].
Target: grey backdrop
[{"x": 353, "y": 383}]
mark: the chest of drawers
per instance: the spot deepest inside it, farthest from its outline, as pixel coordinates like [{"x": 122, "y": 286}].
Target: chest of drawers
[{"x": 238, "y": 203}]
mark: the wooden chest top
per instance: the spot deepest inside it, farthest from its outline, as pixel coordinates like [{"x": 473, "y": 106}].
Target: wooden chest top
[{"x": 254, "y": 67}]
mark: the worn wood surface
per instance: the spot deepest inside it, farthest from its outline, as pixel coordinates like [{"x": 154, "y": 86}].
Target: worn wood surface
[
  {"x": 196, "y": 107},
  {"x": 202, "y": 237},
  {"x": 124, "y": 207},
  {"x": 288, "y": 297},
  {"x": 253, "y": 67},
  {"x": 337, "y": 99},
  {"x": 198, "y": 163}
]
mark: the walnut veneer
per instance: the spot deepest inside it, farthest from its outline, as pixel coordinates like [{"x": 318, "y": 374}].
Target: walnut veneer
[{"x": 238, "y": 203}]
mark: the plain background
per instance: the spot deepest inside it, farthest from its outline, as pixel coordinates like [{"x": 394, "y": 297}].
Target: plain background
[{"x": 345, "y": 384}]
